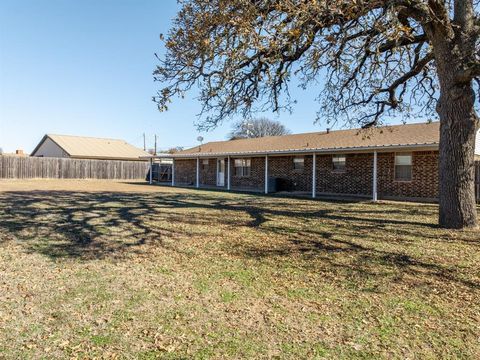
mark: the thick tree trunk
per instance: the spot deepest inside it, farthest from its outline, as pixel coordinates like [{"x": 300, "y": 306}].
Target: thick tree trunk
[
  {"x": 454, "y": 49},
  {"x": 458, "y": 127}
]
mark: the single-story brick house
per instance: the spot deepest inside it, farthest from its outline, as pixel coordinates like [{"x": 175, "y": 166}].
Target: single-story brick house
[{"x": 394, "y": 162}]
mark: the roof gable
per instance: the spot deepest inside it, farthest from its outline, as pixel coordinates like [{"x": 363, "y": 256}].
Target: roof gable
[{"x": 91, "y": 147}]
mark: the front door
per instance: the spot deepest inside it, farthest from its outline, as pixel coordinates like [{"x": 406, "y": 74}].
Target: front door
[{"x": 221, "y": 172}]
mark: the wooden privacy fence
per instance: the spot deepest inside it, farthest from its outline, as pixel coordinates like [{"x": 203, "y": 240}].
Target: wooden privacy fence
[{"x": 18, "y": 167}]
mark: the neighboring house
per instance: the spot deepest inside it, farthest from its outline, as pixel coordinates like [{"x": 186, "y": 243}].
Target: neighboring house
[
  {"x": 80, "y": 147},
  {"x": 18, "y": 152},
  {"x": 389, "y": 162}
]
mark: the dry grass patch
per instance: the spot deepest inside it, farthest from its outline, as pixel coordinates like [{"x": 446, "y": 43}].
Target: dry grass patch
[{"x": 103, "y": 269}]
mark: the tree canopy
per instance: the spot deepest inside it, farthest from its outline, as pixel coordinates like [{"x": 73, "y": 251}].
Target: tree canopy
[
  {"x": 377, "y": 56},
  {"x": 371, "y": 59},
  {"x": 256, "y": 128}
]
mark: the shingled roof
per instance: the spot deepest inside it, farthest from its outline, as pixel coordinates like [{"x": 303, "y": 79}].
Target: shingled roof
[
  {"x": 94, "y": 148},
  {"x": 391, "y": 137}
]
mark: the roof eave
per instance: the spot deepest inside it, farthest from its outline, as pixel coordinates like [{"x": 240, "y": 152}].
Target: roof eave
[
  {"x": 88, "y": 157},
  {"x": 429, "y": 146}
]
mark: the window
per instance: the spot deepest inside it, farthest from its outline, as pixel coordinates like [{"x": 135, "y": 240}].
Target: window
[
  {"x": 298, "y": 163},
  {"x": 242, "y": 167},
  {"x": 339, "y": 162},
  {"x": 204, "y": 164},
  {"x": 403, "y": 167}
]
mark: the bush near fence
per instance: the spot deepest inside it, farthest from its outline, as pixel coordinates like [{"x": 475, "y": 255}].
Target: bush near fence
[{"x": 18, "y": 167}]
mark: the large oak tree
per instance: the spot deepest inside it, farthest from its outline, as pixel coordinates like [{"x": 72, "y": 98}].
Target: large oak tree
[{"x": 373, "y": 60}]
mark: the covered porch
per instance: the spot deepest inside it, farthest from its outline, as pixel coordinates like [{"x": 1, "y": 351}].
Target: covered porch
[{"x": 260, "y": 173}]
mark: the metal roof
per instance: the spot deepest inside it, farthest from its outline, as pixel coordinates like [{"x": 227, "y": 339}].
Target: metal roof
[
  {"x": 408, "y": 136},
  {"x": 94, "y": 148}
]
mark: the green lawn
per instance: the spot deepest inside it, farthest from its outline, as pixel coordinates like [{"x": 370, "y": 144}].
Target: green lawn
[{"x": 125, "y": 270}]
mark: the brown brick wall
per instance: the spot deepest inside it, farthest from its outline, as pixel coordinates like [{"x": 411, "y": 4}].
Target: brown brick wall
[
  {"x": 292, "y": 179},
  {"x": 424, "y": 176},
  {"x": 255, "y": 181},
  {"x": 208, "y": 172},
  {"x": 185, "y": 171},
  {"x": 355, "y": 180}
]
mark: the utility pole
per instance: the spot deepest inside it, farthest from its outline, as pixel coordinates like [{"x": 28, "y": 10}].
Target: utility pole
[
  {"x": 144, "y": 144},
  {"x": 155, "y": 149}
]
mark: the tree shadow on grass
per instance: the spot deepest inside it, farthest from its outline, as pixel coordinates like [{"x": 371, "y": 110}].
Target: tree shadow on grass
[
  {"x": 89, "y": 225},
  {"x": 328, "y": 250}
]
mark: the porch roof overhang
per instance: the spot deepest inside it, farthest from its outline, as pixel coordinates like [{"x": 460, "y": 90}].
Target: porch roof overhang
[{"x": 381, "y": 148}]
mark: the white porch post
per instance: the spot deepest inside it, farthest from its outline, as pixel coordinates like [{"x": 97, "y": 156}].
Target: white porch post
[
  {"x": 228, "y": 173},
  {"x": 314, "y": 176},
  {"x": 266, "y": 174},
  {"x": 374, "y": 187},
  {"x": 151, "y": 169},
  {"x": 173, "y": 172},
  {"x": 198, "y": 173}
]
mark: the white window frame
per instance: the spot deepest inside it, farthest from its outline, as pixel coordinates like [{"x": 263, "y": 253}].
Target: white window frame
[
  {"x": 395, "y": 167},
  {"x": 339, "y": 156},
  {"x": 299, "y": 160},
  {"x": 243, "y": 170}
]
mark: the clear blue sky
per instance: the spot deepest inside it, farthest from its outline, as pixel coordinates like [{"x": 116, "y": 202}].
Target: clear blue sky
[{"x": 85, "y": 68}]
